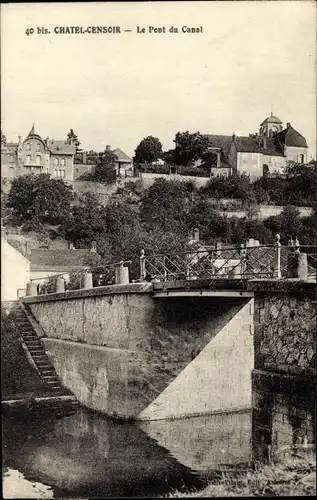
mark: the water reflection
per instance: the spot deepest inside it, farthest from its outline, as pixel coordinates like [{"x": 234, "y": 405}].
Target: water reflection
[
  {"x": 208, "y": 442},
  {"x": 87, "y": 455}
]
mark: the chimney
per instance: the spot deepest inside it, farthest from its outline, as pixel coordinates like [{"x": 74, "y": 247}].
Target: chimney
[
  {"x": 288, "y": 125},
  {"x": 19, "y": 137},
  {"x": 234, "y": 137},
  {"x": 71, "y": 246},
  {"x": 108, "y": 148},
  {"x": 196, "y": 235},
  {"x": 84, "y": 156},
  {"x": 93, "y": 247}
]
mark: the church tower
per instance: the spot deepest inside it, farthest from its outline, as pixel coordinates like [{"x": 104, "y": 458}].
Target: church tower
[{"x": 270, "y": 126}]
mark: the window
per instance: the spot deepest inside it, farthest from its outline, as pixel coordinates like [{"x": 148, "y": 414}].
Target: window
[
  {"x": 63, "y": 162},
  {"x": 38, "y": 159},
  {"x": 56, "y": 162},
  {"x": 28, "y": 159},
  {"x": 55, "y": 173},
  {"x": 301, "y": 158},
  {"x": 28, "y": 146},
  {"x": 38, "y": 147},
  {"x": 11, "y": 159},
  {"x": 63, "y": 173}
]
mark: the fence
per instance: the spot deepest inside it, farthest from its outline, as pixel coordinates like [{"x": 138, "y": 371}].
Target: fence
[{"x": 246, "y": 262}]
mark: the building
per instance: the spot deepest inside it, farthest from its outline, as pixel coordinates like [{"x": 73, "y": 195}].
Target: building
[
  {"x": 36, "y": 155},
  {"x": 220, "y": 147},
  {"x": 123, "y": 164},
  {"x": 264, "y": 153},
  {"x": 48, "y": 262},
  {"x": 15, "y": 270}
]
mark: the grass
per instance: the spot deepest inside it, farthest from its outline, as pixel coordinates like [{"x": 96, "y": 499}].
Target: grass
[
  {"x": 292, "y": 476},
  {"x": 19, "y": 379}
]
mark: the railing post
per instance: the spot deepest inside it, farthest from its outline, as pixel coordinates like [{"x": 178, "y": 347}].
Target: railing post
[
  {"x": 86, "y": 280},
  {"x": 277, "y": 258},
  {"x": 142, "y": 266},
  {"x": 243, "y": 259},
  {"x": 297, "y": 263},
  {"x": 121, "y": 274},
  {"x": 60, "y": 284},
  {"x": 31, "y": 289},
  {"x": 164, "y": 266}
]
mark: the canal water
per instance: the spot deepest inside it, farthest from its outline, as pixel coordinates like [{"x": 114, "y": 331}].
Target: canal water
[{"x": 86, "y": 455}]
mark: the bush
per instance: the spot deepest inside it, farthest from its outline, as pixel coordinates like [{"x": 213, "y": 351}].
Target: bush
[{"x": 235, "y": 186}]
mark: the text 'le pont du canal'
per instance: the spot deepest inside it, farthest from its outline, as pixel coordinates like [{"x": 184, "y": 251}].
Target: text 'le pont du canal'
[{"x": 113, "y": 30}]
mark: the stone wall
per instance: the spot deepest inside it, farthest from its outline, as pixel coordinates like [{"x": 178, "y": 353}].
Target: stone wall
[
  {"x": 285, "y": 325},
  {"x": 283, "y": 381},
  {"x": 117, "y": 348}
]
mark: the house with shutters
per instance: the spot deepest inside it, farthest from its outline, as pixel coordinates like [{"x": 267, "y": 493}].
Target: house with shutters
[
  {"x": 35, "y": 155},
  {"x": 264, "y": 153}
]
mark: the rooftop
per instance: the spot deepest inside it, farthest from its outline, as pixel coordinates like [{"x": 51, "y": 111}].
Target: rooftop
[
  {"x": 290, "y": 137},
  {"x": 61, "y": 147},
  {"x": 220, "y": 141},
  {"x": 121, "y": 156},
  {"x": 50, "y": 259},
  {"x": 271, "y": 119}
]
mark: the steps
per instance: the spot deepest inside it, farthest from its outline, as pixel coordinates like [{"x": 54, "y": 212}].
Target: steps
[{"x": 36, "y": 349}]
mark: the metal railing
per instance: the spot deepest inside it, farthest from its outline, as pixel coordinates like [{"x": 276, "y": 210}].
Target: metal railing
[{"x": 243, "y": 262}]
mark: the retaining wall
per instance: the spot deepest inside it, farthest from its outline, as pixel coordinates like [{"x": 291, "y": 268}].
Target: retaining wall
[
  {"x": 283, "y": 379},
  {"x": 117, "y": 349}
]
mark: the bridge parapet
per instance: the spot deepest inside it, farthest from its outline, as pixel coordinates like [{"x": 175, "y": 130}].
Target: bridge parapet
[{"x": 242, "y": 262}]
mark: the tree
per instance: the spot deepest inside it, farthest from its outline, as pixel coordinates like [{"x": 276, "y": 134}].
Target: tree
[
  {"x": 3, "y": 139},
  {"x": 72, "y": 137},
  {"x": 288, "y": 224},
  {"x": 86, "y": 221},
  {"x": 40, "y": 199},
  {"x": 211, "y": 225},
  {"x": 165, "y": 203},
  {"x": 270, "y": 190},
  {"x": 301, "y": 184},
  {"x": 188, "y": 148},
  {"x": 149, "y": 150},
  {"x": 105, "y": 168}
]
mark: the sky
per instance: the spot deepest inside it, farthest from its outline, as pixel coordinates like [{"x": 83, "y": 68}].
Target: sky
[{"x": 115, "y": 89}]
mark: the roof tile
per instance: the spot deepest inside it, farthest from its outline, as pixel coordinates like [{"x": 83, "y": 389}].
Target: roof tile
[{"x": 62, "y": 258}]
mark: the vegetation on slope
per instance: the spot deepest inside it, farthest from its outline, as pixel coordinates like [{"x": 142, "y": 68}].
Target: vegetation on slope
[
  {"x": 294, "y": 476},
  {"x": 19, "y": 379},
  {"x": 161, "y": 218}
]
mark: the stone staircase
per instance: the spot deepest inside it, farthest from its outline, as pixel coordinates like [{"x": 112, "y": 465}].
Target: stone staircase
[{"x": 36, "y": 350}]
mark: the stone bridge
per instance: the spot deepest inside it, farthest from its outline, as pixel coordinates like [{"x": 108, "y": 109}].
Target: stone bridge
[{"x": 134, "y": 351}]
